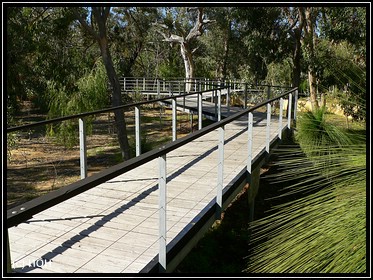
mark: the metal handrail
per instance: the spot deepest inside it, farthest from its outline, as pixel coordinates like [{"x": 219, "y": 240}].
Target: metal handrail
[
  {"x": 26, "y": 210},
  {"x": 126, "y": 106}
]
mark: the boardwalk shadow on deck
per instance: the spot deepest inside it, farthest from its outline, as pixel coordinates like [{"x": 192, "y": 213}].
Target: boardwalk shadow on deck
[{"x": 106, "y": 218}]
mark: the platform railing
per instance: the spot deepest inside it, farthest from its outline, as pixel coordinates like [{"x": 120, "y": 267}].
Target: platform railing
[{"x": 26, "y": 210}]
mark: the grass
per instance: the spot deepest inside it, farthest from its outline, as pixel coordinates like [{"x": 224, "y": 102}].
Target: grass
[{"x": 325, "y": 231}]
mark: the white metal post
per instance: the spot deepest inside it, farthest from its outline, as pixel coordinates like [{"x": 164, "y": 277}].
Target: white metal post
[
  {"x": 289, "y": 109},
  {"x": 137, "y": 130},
  {"x": 219, "y": 105},
  {"x": 295, "y": 104},
  {"x": 245, "y": 105},
  {"x": 219, "y": 195},
  {"x": 9, "y": 261},
  {"x": 228, "y": 97},
  {"x": 268, "y": 126},
  {"x": 82, "y": 149},
  {"x": 158, "y": 88},
  {"x": 199, "y": 110},
  {"x": 174, "y": 120},
  {"x": 162, "y": 213},
  {"x": 250, "y": 142},
  {"x": 280, "y": 118}
]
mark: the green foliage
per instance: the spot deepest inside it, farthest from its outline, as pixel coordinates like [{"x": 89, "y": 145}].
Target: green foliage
[
  {"x": 313, "y": 130},
  {"x": 91, "y": 94},
  {"x": 325, "y": 230},
  {"x": 280, "y": 73}
]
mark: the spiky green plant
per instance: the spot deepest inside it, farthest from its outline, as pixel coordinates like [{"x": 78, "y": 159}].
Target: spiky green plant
[{"x": 325, "y": 230}]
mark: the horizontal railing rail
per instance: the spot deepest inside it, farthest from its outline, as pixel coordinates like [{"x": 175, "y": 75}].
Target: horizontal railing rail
[
  {"x": 82, "y": 115},
  {"x": 130, "y": 84}
]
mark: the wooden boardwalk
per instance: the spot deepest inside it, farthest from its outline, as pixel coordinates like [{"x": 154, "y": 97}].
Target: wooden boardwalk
[{"x": 113, "y": 228}]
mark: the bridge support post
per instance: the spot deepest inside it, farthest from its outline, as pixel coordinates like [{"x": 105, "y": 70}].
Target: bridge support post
[
  {"x": 174, "y": 120},
  {"x": 250, "y": 142},
  {"x": 82, "y": 149},
  {"x": 289, "y": 109},
  {"x": 199, "y": 110},
  {"x": 162, "y": 213},
  {"x": 219, "y": 195},
  {"x": 252, "y": 175},
  {"x": 137, "y": 130},
  {"x": 280, "y": 118},
  {"x": 268, "y": 128}
]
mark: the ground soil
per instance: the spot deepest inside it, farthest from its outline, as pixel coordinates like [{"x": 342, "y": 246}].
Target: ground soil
[{"x": 38, "y": 163}]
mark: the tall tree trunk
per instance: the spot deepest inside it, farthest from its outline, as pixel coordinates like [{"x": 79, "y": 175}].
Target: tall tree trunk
[
  {"x": 226, "y": 49},
  {"x": 101, "y": 15},
  {"x": 188, "y": 64},
  {"x": 116, "y": 100},
  {"x": 309, "y": 39},
  {"x": 296, "y": 58}
]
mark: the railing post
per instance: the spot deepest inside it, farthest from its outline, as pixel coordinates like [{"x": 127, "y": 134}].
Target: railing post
[
  {"x": 124, "y": 83},
  {"x": 174, "y": 120},
  {"x": 199, "y": 110},
  {"x": 228, "y": 96},
  {"x": 143, "y": 84},
  {"x": 158, "y": 88},
  {"x": 245, "y": 105},
  {"x": 268, "y": 126},
  {"x": 162, "y": 213},
  {"x": 8, "y": 261},
  {"x": 219, "y": 195},
  {"x": 137, "y": 130},
  {"x": 289, "y": 109},
  {"x": 219, "y": 105},
  {"x": 82, "y": 149},
  {"x": 280, "y": 118},
  {"x": 250, "y": 142},
  {"x": 295, "y": 104},
  {"x": 215, "y": 91}
]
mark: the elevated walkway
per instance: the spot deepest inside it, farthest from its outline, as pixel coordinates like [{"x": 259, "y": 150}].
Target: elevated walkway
[{"x": 122, "y": 224}]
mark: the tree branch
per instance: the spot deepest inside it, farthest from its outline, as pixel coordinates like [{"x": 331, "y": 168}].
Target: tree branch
[
  {"x": 84, "y": 24},
  {"x": 198, "y": 27}
]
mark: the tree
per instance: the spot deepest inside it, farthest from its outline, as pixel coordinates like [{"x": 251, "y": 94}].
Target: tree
[
  {"x": 263, "y": 37},
  {"x": 296, "y": 23},
  {"x": 308, "y": 15},
  {"x": 97, "y": 28},
  {"x": 185, "y": 39},
  {"x": 129, "y": 30}
]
